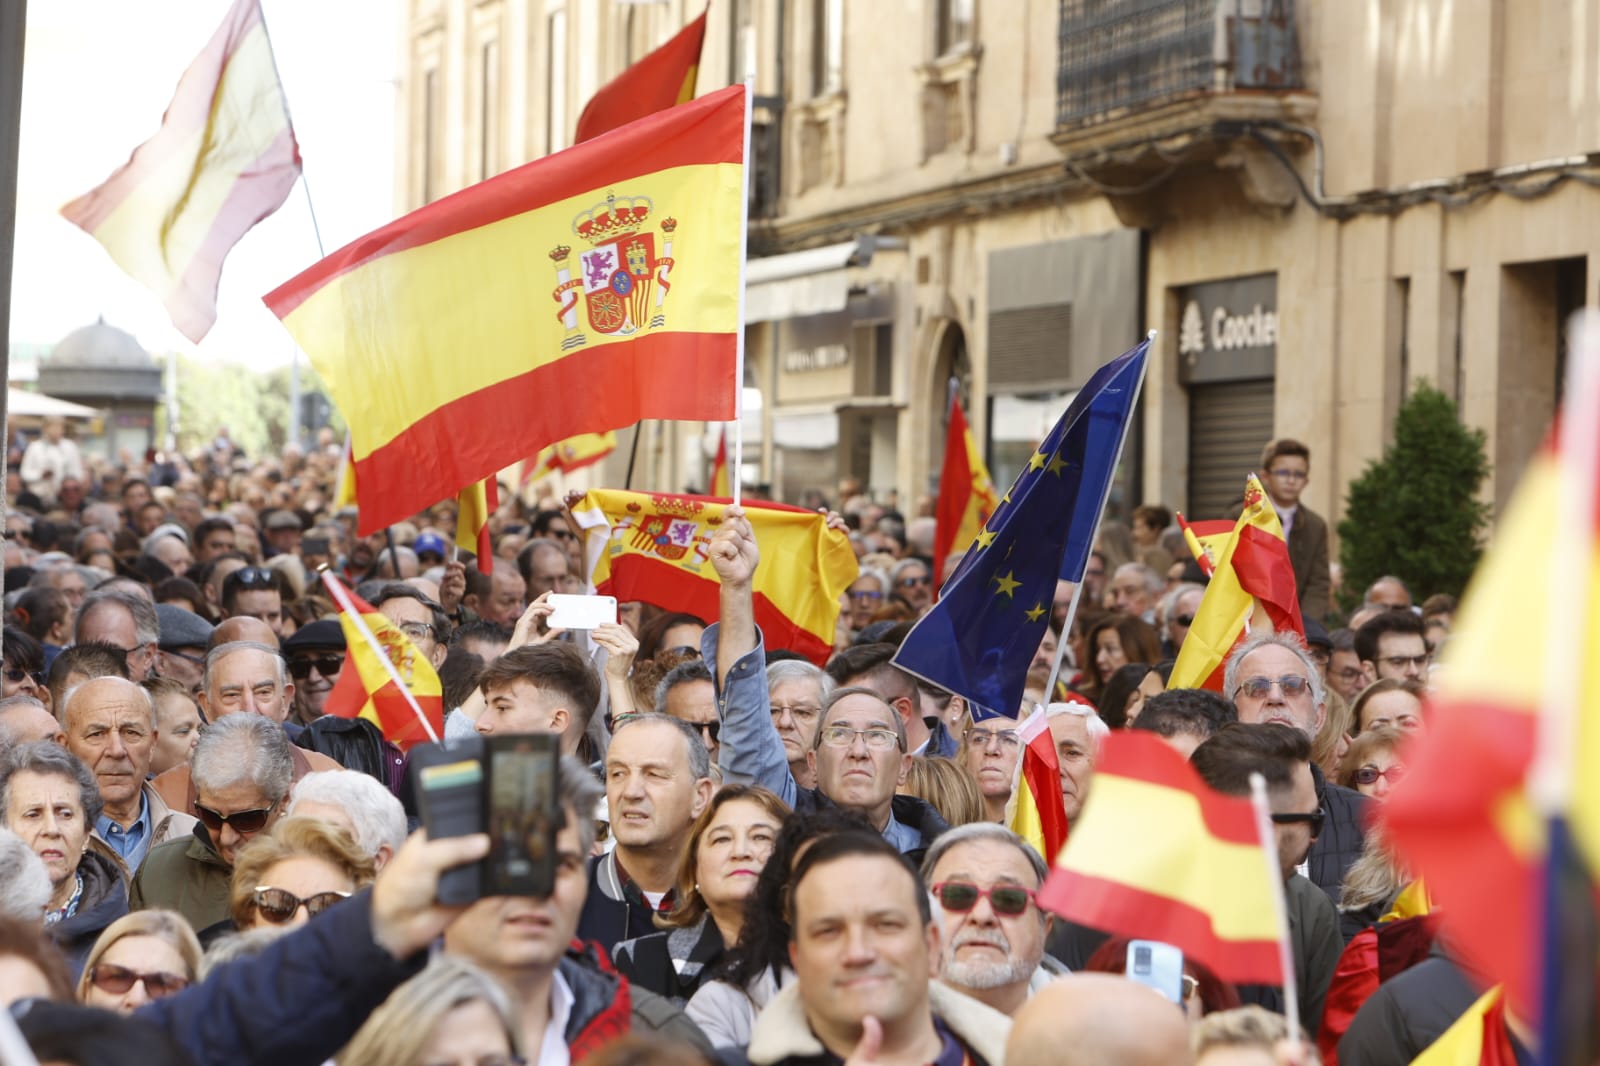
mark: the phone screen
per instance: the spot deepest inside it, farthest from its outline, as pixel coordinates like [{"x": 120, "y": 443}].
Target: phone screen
[{"x": 523, "y": 815}]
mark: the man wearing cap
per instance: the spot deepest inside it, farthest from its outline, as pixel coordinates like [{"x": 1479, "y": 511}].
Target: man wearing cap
[
  {"x": 283, "y": 531},
  {"x": 181, "y": 651},
  {"x": 316, "y": 655},
  {"x": 430, "y": 549}
]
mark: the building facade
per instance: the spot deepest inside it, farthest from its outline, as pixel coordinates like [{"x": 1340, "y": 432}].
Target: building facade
[{"x": 1317, "y": 206}]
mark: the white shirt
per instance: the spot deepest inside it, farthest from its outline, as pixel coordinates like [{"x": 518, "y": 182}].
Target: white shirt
[
  {"x": 553, "y": 1049},
  {"x": 1285, "y": 517}
]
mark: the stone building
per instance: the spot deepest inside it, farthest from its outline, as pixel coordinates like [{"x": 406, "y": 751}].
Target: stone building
[{"x": 1316, "y": 204}]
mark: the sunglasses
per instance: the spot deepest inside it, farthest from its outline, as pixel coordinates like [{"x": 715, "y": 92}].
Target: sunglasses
[
  {"x": 243, "y": 822},
  {"x": 1314, "y": 819},
  {"x": 711, "y": 730},
  {"x": 1184, "y": 620},
  {"x": 17, "y": 675},
  {"x": 109, "y": 977},
  {"x": 1370, "y": 775},
  {"x": 278, "y": 906},
  {"x": 1257, "y": 688},
  {"x": 913, "y": 582},
  {"x": 962, "y": 896},
  {"x": 563, "y": 534},
  {"x": 255, "y": 577},
  {"x": 326, "y": 665}
]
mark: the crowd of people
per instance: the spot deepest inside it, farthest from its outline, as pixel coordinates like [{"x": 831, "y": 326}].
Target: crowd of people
[{"x": 762, "y": 859}]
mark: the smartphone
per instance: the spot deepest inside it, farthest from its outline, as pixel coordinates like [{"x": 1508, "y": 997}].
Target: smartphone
[
  {"x": 581, "y": 612},
  {"x": 449, "y": 785},
  {"x": 524, "y": 814},
  {"x": 314, "y": 546},
  {"x": 1158, "y": 965}
]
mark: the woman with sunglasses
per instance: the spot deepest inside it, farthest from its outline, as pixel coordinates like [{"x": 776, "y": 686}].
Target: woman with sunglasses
[
  {"x": 140, "y": 957},
  {"x": 49, "y": 798},
  {"x": 295, "y": 872},
  {"x": 1373, "y": 765}
]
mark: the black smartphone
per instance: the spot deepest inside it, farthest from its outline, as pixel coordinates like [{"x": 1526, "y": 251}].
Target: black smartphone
[
  {"x": 314, "y": 545},
  {"x": 449, "y": 783}
]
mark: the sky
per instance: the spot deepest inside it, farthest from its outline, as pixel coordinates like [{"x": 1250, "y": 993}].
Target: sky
[{"x": 97, "y": 76}]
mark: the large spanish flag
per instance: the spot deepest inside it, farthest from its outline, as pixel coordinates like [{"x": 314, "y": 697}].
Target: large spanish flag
[
  {"x": 1035, "y": 811},
  {"x": 1158, "y": 855},
  {"x": 966, "y": 494},
  {"x": 579, "y": 293},
  {"x": 568, "y": 455},
  {"x": 656, "y": 548},
  {"x": 367, "y": 688},
  {"x": 662, "y": 79},
  {"x": 224, "y": 159},
  {"x": 1252, "y": 570}
]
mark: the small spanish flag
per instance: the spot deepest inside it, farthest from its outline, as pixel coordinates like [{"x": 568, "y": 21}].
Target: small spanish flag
[
  {"x": 966, "y": 494},
  {"x": 475, "y": 505},
  {"x": 721, "y": 484},
  {"x": 1035, "y": 811},
  {"x": 392, "y": 685},
  {"x": 574, "y": 453}
]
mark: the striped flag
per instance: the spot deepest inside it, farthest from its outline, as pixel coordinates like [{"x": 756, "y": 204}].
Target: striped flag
[
  {"x": 224, "y": 159},
  {"x": 1035, "y": 811},
  {"x": 1206, "y": 541},
  {"x": 721, "y": 485},
  {"x": 1477, "y": 1038},
  {"x": 1157, "y": 854},
  {"x": 392, "y": 685},
  {"x": 448, "y": 366},
  {"x": 664, "y": 78},
  {"x": 966, "y": 495},
  {"x": 475, "y": 505},
  {"x": 574, "y": 453}
]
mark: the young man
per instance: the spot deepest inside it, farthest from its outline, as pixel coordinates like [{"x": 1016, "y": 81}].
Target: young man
[{"x": 1285, "y": 469}]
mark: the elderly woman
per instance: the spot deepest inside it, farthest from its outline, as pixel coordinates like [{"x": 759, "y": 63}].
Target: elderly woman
[
  {"x": 140, "y": 957},
  {"x": 797, "y": 692},
  {"x": 1373, "y": 765},
  {"x": 450, "y": 1012},
  {"x": 295, "y": 872},
  {"x": 49, "y": 798},
  {"x": 729, "y": 845},
  {"x": 868, "y": 592}
]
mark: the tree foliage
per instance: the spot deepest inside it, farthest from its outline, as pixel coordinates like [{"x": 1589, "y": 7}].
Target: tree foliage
[
  {"x": 253, "y": 404},
  {"x": 1415, "y": 512}
]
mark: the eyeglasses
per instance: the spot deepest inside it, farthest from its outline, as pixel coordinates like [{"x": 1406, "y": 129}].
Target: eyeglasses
[
  {"x": 1184, "y": 620},
  {"x": 865, "y": 594},
  {"x": 109, "y": 977},
  {"x": 842, "y": 736},
  {"x": 1400, "y": 662},
  {"x": 16, "y": 675},
  {"x": 278, "y": 906},
  {"x": 416, "y": 630},
  {"x": 1289, "y": 475},
  {"x": 254, "y": 577},
  {"x": 800, "y": 712},
  {"x": 1314, "y": 819},
  {"x": 962, "y": 896},
  {"x": 243, "y": 822},
  {"x": 326, "y": 665},
  {"x": 913, "y": 582},
  {"x": 1369, "y": 775},
  {"x": 709, "y": 731},
  {"x": 1348, "y": 673},
  {"x": 978, "y": 737},
  {"x": 1258, "y": 688}
]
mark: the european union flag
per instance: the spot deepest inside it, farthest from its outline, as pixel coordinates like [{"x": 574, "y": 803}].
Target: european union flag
[{"x": 979, "y": 638}]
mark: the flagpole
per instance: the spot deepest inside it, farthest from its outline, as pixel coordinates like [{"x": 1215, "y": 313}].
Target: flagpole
[
  {"x": 735, "y": 477},
  {"x": 1077, "y": 588},
  {"x": 1269, "y": 851},
  {"x": 342, "y": 598}
]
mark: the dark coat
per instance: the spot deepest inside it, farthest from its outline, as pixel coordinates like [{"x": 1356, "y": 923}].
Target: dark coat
[
  {"x": 605, "y": 1006},
  {"x": 614, "y": 910},
  {"x": 1410, "y": 1011},
  {"x": 187, "y": 876},
  {"x": 104, "y": 900},
  {"x": 1344, "y": 834},
  {"x": 909, "y": 811},
  {"x": 1308, "y": 554},
  {"x": 674, "y": 962},
  {"x": 355, "y": 744}
]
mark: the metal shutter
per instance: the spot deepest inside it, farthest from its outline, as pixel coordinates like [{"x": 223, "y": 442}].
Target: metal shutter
[
  {"x": 1030, "y": 349},
  {"x": 1229, "y": 424}
]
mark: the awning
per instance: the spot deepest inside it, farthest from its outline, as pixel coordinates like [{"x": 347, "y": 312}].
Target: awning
[
  {"x": 812, "y": 282},
  {"x": 20, "y": 403}
]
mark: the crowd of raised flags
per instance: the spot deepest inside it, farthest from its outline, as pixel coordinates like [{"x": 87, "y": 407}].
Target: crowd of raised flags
[{"x": 538, "y": 312}]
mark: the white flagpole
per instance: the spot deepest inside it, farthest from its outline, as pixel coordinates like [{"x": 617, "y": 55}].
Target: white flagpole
[
  {"x": 736, "y": 463},
  {"x": 1269, "y": 849},
  {"x": 342, "y": 598}
]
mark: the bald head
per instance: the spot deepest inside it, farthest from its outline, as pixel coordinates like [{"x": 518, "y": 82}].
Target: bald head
[
  {"x": 1095, "y": 1019},
  {"x": 242, "y": 628}
]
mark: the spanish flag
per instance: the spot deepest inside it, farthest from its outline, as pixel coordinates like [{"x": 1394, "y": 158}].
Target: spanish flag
[
  {"x": 656, "y": 548},
  {"x": 450, "y": 359},
  {"x": 1477, "y": 1038},
  {"x": 721, "y": 485},
  {"x": 966, "y": 495},
  {"x": 344, "y": 485},
  {"x": 574, "y": 453},
  {"x": 1035, "y": 811},
  {"x": 1206, "y": 541},
  {"x": 1253, "y": 569},
  {"x": 1158, "y": 855},
  {"x": 475, "y": 505},
  {"x": 224, "y": 159},
  {"x": 392, "y": 684},
  {"x": 662, "y": 79}
]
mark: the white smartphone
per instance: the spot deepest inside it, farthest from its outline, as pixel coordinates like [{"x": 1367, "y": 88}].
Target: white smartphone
[
  {"x": 581, "y": 612},
  {"x": 1158, "y": 965}
]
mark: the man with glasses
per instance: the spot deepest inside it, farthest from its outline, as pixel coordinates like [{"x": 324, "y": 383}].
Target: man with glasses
[
  {"x": 1272, "y": 678},
  {"x": 872, "y": 666},
  {"x": 796, "y": 693},
  {"x": 984, "y": 878},
  {"x": 1345, "y": 675},
  {"x": 989, "y": 752},
  {"x": 315, "y": 654},
  {"x": 418, "y": 617},
  {"x": 1282, "y": 754},
  {"x": 253, "y": 592},
  {"x": 1286, "y": 466},
  {"x": 688, "y": 694},
  {"x": 1393, "y": 645},
  {"x": 1181, "y": 603},
  {"x": 123, "y": 618},
  {"x": 243, "y": 768},
  {"x": 913, "y": 582}
]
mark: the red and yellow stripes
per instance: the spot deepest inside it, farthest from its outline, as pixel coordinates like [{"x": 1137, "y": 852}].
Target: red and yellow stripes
[
  {"x": 1198, "y": 877},
  {"x": 475, "y": 505},
  {"x": 574, "y": 453},
  {"x": 966, "y": 493},
  {"x": 368, "y": 691},
  {"x": 1036, "y": 812},
  {"x": 224, "y": 158},
  {"x": 662, "y": 79}
]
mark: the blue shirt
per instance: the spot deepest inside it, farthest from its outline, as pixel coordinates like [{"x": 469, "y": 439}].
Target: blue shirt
[{"x": 131, "y": 843}]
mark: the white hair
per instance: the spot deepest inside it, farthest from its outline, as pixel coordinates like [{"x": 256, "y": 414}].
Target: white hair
[
  {"x": 378, "y": 817},
  {"x": 144, "y": 697},
  {"x": 24, "y": 882},
  {"x": 1286, "y": 640},
  {"x": 1098, "y": 730}
]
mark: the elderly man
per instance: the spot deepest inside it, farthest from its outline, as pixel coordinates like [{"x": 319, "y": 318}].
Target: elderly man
[
  {"x": 1272, "y": 678},
  {"x": 182, "y": 654},
  {"x": 1394, "y": 645},
  {"x": 243, "y": 768},
  {"x": 862, "y": 960},
  {"x": 111, "y": 725},
  {"x": 564, "y": 1002},
  {"x": 23, "y": 720},
  {"x": 356, "y": 803},
  {"x": 543, "y": 566},
  {"x": 860, "y": 753},
  {"x": 984, "y": 878},
  {"x": 1388, "y": 593},
  {"x": 418, "y": 617},
  {"x": 169, "y": 546},
  {"x": 872, "y": 666},
  {"x": 658, "y": 780},
  {"x": 125, "y": 619},
  {"x": 1077, "y": 732},
  {"x": 1181, "y": 603},
  {"x": 1097, "y": 1019},
  {"x": 1135, "y": 588},
  {"x": 506, "y": 596},
  {"x": 989, "y": 752},
  {"x": 797, "y": 692}
]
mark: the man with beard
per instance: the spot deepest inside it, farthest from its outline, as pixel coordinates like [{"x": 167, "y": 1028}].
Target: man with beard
[{"x": 983, "y": 879}]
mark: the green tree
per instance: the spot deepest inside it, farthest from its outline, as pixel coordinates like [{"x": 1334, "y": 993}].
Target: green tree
[{"x": 1415, "y": 512}]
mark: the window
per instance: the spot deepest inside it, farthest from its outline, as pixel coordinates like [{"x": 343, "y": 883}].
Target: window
[
  {"x": 827, "y": 46},
  {"x": 952, "y": 25},
  {"x": 489, "y": 109},
  {"x": 556, "y": 82}
]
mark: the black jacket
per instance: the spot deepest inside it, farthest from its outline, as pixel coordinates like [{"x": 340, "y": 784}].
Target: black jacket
[
  {"x": 674, "y": 962},
  {"x": 1410, "y": 1011},
  {"x": 354, "y": 743},
  {"x": 615, "y": 909},
  {"x": 909, "y": 811},
  {"x": 1344, "y": 834},
  {"x": 104, "y": 900}
]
